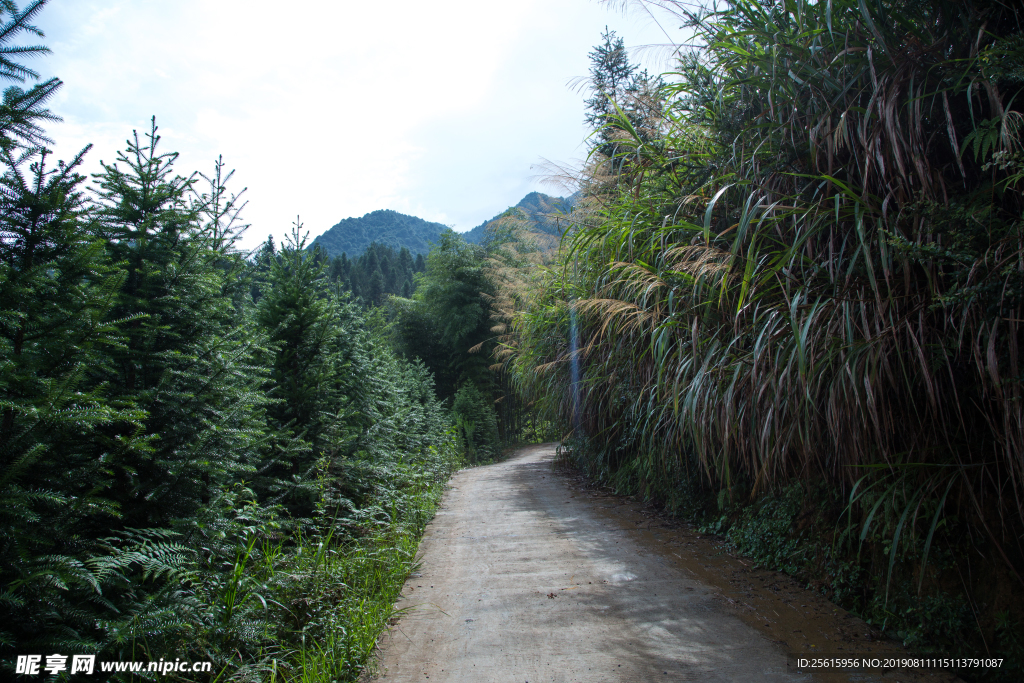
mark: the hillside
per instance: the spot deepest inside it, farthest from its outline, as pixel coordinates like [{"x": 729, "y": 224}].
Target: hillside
[
  {"x": 539, "y": 208},
  {"x": 352, "y": 236}
]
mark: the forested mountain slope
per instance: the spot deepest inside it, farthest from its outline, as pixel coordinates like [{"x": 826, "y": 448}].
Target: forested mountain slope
[
  {"x": 352, "y": 236},
  {"x": 541, "y": 212}
]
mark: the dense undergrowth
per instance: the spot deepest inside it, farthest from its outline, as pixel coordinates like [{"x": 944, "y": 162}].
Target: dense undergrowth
[{"x": 790, "y": 298}]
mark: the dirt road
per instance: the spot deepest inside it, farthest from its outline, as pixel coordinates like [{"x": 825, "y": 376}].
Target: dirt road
[{"x": 525, "y": 578}]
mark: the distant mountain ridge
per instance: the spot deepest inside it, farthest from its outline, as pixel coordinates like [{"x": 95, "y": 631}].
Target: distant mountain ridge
[
  {"x": 352, "y": 236},
  {"x": 539, "y": 208}
]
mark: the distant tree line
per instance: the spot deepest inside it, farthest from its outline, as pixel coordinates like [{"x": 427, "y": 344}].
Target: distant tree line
[
  {"x": 370, "y": 278},
  {"x": 456, "y": 323}
]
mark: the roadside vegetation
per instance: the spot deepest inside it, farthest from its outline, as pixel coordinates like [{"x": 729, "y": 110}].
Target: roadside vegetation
[
  {"x": 787, "y": 305},
  {"x": 203, "y": 455},
  {"x": 789, "y": 301},
  {"x": 457, "y": 323}
]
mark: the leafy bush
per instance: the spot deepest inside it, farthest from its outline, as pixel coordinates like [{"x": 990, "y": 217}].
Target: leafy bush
[{"x": 477, "y": 422}]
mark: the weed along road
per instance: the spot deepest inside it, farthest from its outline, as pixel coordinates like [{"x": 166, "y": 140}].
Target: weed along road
[{"x": 526, "y": 577}]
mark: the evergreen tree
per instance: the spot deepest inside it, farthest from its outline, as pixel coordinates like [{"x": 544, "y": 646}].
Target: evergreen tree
[
  {"x": 375, "y": 287},
  {"x": 314, "y": 365},
  {"x": 337, "y": 270},
  {"x": 185, "y": 345},
  {"x": 380, "y": 271},
  {"x": 618, "y": 88},
  {"x": 22, "y": 110},
  {"x": 371, "y": 259},
  {"x": 405, "y": 261},
  {"x": 260, "y": 267},
  {"x": 55, "y": 294},
  {"x": 134, "y": 418},
  {"x": 385, "y": 256},
  {"x": 611, "y": 79}
]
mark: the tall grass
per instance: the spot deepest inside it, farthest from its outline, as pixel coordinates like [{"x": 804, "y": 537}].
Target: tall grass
[{"x": 814, "y": 271}]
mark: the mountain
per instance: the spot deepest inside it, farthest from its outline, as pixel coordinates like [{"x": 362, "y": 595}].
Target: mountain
[
  {"x": 539, "y": 208},
  {"x": 353, "y": 235}
]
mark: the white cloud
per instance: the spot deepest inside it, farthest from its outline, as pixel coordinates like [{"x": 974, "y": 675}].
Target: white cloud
[{"x": 333, "y": 109}]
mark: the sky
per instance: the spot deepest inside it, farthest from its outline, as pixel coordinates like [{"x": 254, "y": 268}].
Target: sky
[{"x": 450, "y": 110}]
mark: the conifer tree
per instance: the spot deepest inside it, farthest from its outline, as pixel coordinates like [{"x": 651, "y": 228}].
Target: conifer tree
[
  {"x": 315, "y": 365},
  {"x": 186, "y": 343},
  {"x": 405, "y": 261},
  {"x": 337, "y": 270},
  {"x": 55, "y": 294},
  {"x": 22, "y": 110},
  {"x": 375, "y": 287},
  {"x": 56, "y": 289},
  {"x": 617, "y": 87}
]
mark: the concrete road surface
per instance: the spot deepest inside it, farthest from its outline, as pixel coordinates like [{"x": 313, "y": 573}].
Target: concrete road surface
[{"x": 523, "y": 581}]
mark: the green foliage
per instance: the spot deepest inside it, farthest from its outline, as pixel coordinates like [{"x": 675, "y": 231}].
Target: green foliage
[
  {"x": 451, "y": 315},
  {"x": 475, "y": 417},
  {"x": 458, "y": 324},
  {"x": 811, "y": 272},
  {"x": 318, "y": 371},
  {"x": 766, "y": 531},
  {"x": 57, "y": 291},
  {"x": 22, "y": 111},
  {"x": 202, "y": 456},
  {"x": 386, "y": 228},
  {"x": 188, "y": 355},
  {"x": 618, "y": 88},
  {"x": 380, "y": 272}
]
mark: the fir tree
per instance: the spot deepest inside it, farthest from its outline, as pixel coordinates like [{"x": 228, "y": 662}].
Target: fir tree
[
  {"x": 22, "y": 110},
  {"x": 375, "y": 287},
  {"x": 55, "y": 294},
  {"x": 186, "y": 341},
  {"x": 314, "y": 376},
  {"x": 618, "y": 88}
]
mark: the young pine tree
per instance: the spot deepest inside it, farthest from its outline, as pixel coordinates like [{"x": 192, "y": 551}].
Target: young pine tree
[
  {"x": 187, "y": 359},
  {"x": 56, "y": 292},
  {"x": 317, "y": 372}
]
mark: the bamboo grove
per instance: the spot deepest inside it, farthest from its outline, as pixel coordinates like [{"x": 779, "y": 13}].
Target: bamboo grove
[{"x": 807, "y": 266}]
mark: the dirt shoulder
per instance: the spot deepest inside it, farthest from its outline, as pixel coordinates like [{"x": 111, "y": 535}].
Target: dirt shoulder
[{"x": 528, "y": 575}]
